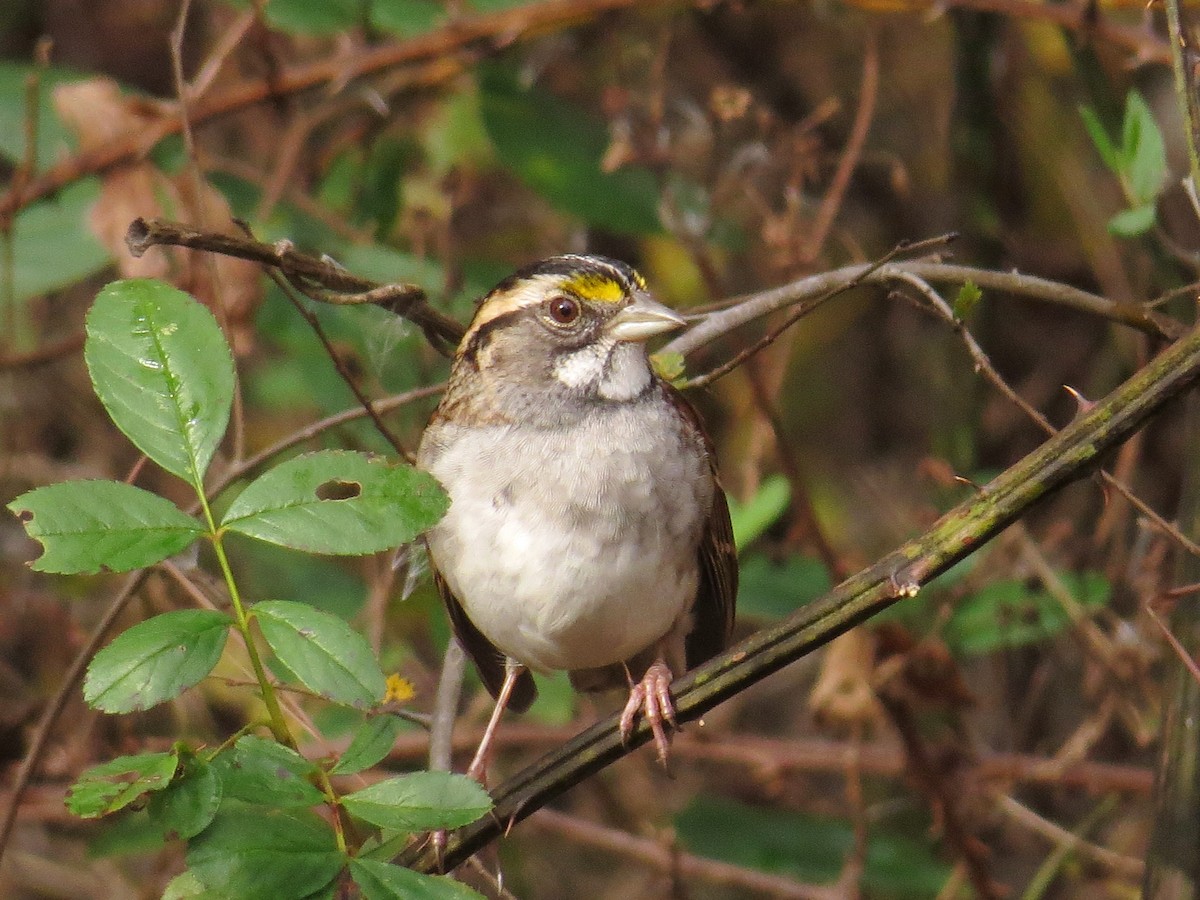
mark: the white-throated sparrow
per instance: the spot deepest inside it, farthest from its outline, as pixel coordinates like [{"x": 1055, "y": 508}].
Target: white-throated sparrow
[{"x": 587, "y": 530}]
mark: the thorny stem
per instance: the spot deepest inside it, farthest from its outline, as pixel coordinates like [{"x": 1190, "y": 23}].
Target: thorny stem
[{"x": 1185, "y": 96}]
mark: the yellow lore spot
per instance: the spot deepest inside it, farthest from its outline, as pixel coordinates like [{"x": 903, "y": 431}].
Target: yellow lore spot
[{"x": 596, "y": 288}]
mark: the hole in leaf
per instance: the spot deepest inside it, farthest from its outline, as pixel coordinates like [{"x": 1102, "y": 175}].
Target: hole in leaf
[
  {"x": 339, "y": 490},
  {"x": 25, "y": 515}
]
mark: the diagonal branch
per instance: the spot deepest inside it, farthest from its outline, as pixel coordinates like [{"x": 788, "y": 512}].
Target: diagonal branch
[{"x": 1064, "y": 458}]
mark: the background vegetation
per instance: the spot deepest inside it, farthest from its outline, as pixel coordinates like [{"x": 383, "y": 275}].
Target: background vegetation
[{"x": 996, "y": 732}]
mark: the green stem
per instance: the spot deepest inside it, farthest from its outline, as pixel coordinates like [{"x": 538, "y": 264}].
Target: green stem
[{"x": 278, "y": 724}]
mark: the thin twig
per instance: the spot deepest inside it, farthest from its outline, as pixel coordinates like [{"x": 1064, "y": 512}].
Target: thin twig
[
  {"x": 831, "y": 204},
  {"x": 742, "y": 310},
  {"x": 804, "y": 309},
  {"x": 306, "y": 273},
  {"x": 666, "y": 859},
  {"x": 340, "y": 365},
  {"x": 488, "y": 33}
]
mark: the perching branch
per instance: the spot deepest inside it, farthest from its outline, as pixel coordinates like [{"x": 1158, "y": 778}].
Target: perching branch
[
  {"x": 1066, "y": 457},
  {"x": 320, "y": 279}
]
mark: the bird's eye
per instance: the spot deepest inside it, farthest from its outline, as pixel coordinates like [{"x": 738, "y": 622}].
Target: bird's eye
[{"x": 564, "y": 310}]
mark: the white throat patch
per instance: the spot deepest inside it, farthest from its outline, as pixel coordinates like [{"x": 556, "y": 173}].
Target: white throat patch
[{"x": 617, "y": 371}]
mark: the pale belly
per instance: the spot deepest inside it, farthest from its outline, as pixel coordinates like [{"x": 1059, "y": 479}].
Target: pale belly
[{"x": 569, "y": 566}]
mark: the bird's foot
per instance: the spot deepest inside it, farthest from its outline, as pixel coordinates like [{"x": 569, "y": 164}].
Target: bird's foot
[{"x": 652, "y": 697}]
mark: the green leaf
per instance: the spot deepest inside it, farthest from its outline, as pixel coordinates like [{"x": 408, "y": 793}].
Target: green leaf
[
  {"x": 255, "y": 854},
  {"x": 189, "y": 803},
  {"x": 52, "y": 247},
  {"x": 156, "y": 660},
  {"x": 370, "y": 744},
  {"x": 1132, "y": 222},
  {"x": 1144, "y": 153},
  {"x": 421, "y": 801},
  {"x": 407, "y": 18},
  {"x": 384, "y": 881},
  {"x": 187, "y": 886},
  {"x": 556, "y": 149},
  {"x": 328, "y": 656},
  {"x": 968, "y": 296},
  {"x": 114, "y": 785},
  {"x": 90, "y": 526},
  {"x": 900, "y": 863},
  {"x": 337, "y": 501},
  {"x": 1008, "y": 614},
  {"x": 313, "y": 17},
  {"x": 1103, "y": 143},
  {"x": 54, "y": 140},
  {"x": 162, "y": 369},
  {"x": 267, "y": 773},
  {"x": 773, "y": 590},
  {"x": 760, "y": 512}
]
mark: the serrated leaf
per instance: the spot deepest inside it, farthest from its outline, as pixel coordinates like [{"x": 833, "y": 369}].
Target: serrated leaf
[
  {"x": 255, "y": 854},
  {"x": 265, "y": 772},
  {"x": 1009, "y": 614},
  {"x": 1144, "y": 152},
  {"x": 756, "y": 515},
  {"x": 422, "y": 801},
  {"x": 370, "y": 744},
  {"x": 557, "y": 149},
  {"x": 156, "y": 660},
  {"x": 384, "y": 881},
  {"x": 113, "y": 785},
  {"x": 968, "y": 296},
  {"x": 337, "y": 501},
  {"x": 1132, "y": 222},
  {"x": 328, "y": 656},
  {"x": 90, "y": 526},
  {"x": 162, "y": 369},
  {"x": 1108, "y": 151},
  {"x": 189, "y": 803}
]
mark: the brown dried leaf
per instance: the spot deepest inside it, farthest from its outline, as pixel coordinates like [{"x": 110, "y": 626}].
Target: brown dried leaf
[{"x": 843, "y": 694}]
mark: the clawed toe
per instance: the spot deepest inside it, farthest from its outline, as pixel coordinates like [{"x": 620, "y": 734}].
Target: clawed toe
[{"x": 652, "y": 697}]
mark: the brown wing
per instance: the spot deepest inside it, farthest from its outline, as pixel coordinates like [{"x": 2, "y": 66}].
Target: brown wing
[
  {"x": 489, "y": 661},
  {"x": 716, "y": 598}
]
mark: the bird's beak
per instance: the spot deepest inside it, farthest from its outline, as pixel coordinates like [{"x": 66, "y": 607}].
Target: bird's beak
[{"x": 642, "y": 319}]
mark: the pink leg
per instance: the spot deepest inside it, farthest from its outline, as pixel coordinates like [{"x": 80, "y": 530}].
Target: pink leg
[
  {"x": 478, "y": 767},
  {"x": 652, "y": 697}
]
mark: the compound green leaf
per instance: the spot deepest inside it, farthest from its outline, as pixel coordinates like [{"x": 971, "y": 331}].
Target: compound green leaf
[
  {"x": 163, "y": 370},
  {"x": 113, "y": 785},
  {"x": 370, "y": 744},
  {"x": 421, "y": 801},
  {"x": 336, "y": 501},
  {"x": 384, "y": 881},
  {"x": 256, "y": 854},
  {"x": 156, "y": 660},
  {"x": 328, "y": 656},
  {"x": 89, "y": 526}
]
